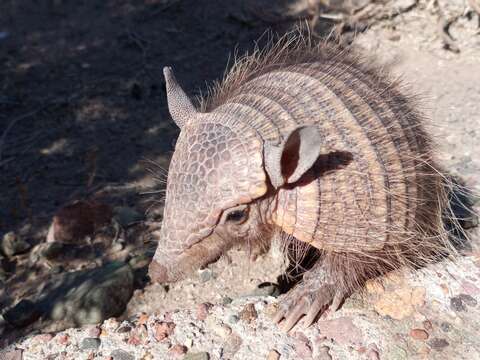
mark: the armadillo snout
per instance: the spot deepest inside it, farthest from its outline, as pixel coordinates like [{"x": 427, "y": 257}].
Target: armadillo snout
[{"x": 157, "y": 272}]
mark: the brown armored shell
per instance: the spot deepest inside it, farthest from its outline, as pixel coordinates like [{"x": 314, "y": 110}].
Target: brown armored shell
[{"x": 376, "y": 184}]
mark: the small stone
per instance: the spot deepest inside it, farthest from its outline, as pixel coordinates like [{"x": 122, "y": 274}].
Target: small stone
[
  {"x": 438, "y": 344},
  {"x": 248, "y": 314},
  {"x": 142, "y": 319},
  {"x": 178, "y": 350},
  {"x": 221, "y": 330},
  {"x": 205, "y": 274},
  {"x": 233, "y": 319},
  {"x": 203, "y": 310},
  {"x": 302, "y": 345},
  {"x": 323, "y": 353},
  {"x": 427, "y": 324},
  {"x": 121, "y": 355},
  {"x": 271, "y": 309},
  {"x": 168, "y": 316},
  {"x": 273, "y": 355},
  {"x": 226, "y": 300},
  {"x": 231, "y": 345},
  {"x": 134, "y": 340},
  {"x": 197, "y": 356},
  {"x": 266, "y": 289},
  {"x": 138, "y": 336},
  {"x": 124, "y": 328},
  {"x": 94, "y": 331},
  {"x": 419, "y": 334},
  {"x": 90, "y": 344},
  {"x": 456, "y": 304},
  {"x": 163, "y": 330},
  {"x": 468, "y": 300},
  {"x": 423, "y": 350},
  {"x": 445, "y": 326},
  {"x": 372, "y": 354},
  {"x": 12, "y": 244},
  {"x": 63, "y": 339}
]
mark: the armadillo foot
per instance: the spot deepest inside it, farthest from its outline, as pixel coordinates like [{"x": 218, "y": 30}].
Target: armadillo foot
[{"x": 309, "y": 304}]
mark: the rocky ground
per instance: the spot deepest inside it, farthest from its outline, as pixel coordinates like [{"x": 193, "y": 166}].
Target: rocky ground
[{"x": 51, "y": 294}]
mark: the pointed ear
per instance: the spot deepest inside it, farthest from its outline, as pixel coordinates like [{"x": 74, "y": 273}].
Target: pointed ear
[
  {"x": 179, "y": 105},
  {"x": 287, "y": 162}
]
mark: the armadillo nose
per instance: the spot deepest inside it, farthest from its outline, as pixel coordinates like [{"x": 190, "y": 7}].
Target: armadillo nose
[{"x": 158, "y": 273}]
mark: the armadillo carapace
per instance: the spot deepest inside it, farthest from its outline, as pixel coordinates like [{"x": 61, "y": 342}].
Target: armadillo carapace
[{"x": 313, "y": 144}]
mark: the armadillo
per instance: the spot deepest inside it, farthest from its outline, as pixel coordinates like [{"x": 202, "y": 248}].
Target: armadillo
[{"x": 314, "y": 144}]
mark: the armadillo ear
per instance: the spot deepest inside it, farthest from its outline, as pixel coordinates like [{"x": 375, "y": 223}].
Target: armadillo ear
[
  {"x": 287, "y": 162},
  {"x": 180, "y": 107}
]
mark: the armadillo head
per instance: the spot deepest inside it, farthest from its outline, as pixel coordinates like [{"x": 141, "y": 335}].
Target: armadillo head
[{"x": 218, "y": 192}]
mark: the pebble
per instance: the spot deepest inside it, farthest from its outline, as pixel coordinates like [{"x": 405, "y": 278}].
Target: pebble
[
  {"x": 226, "y": 300},
  {"x": 457, "y": 305},
  {"x": 266, "y": 289},
  {"x": 233, "y": 319},
  {"x": 438, "y": 344},
  {"x": 303, "y": 347},
  {"x": 121, "y": 355},
  {"x": 124, "y": 328},
  {"x": 197, "y": 356},
  {"x": 273, "y": 355},
  {"x": 178, "y": 350},
  {"x": 163, "y": 329},
  {"x": 445, "y": 326},
  {"x": 231, "y": 345},
  {"x": 419, "y": 334},
  {"x": 62, "y": 339},
  {"x": 427, "y": 324},
  {"x": 248, "y": 314},
  {"x": 372, "y": 354},
  {"x": 203, "y": 310},
  {"x": 11, "y": 244},
  {"x": 90, "y": 344},
  {"x": 323, "y": 353},
  {"x": 94, "y": 332},
  {"x": 205, "y": 274},
  {"x": 468, "y": 300},
  {"x": 142, "y": 319},
  {"x": 221, "y": 330}
]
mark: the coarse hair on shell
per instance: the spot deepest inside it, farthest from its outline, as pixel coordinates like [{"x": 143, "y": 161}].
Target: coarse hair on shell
[{"x": 438, "y": 229}]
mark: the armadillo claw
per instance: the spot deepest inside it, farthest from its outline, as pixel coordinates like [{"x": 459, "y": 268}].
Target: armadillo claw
[{"x": 306, "y": 304}]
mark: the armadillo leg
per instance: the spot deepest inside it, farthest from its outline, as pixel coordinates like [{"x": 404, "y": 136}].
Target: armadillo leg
[{"x": 308, "y": 300}]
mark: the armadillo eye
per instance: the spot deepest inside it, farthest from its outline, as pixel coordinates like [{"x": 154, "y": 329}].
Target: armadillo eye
[{"x": 237, "y": 215}]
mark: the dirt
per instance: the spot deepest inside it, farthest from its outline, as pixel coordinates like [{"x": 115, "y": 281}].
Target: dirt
[{"x": 82, "y": 105}]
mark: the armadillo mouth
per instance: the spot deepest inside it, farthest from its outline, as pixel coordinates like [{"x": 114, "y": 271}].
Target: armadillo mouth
[{"x": 168, "y": 268}]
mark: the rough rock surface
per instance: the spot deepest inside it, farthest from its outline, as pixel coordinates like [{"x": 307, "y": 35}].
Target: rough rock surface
[
  {"x": 364, "y": 327},
  {"x": 78, "y": 298}
]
